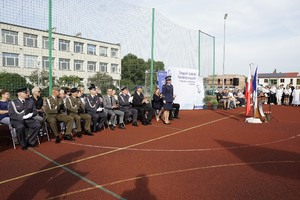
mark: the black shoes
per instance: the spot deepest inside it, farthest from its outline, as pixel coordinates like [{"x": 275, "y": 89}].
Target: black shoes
[
  {"x": 149, "y": 122},
  {"x": 135, "y": 124},
  {"x": 78, "y": 134},
  {"x": 88, "y": 133},
  {"x": 69, "y": 137},
  {"x": 57, "y": 140},
  {"x": 145, "y": 123},
  {"x": 121, "y": 126},
  {"x": 24, "y": 148},
  {"x": 32, "y": 145},
  {"x": 111, "y": 127}
]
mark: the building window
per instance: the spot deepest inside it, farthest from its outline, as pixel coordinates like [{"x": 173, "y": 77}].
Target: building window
[
  {"x": 46, "y": 43},
  {"x": 219, "y": 81},
  {"x": 91, "y": 49},
  {"x": 291, "y": 81},
  {"x": 273, "y": 81},
  {"x": 103, "y": 67},
  {"x": 103, "y": 51},
  {"x": 230, "y": 81},
  {"x": 78, "y": 65},
  {"x": 64, "y": 64},
  {"x": 30, "y": 40},
  {"x": 114, "y": 69},
  {"x": 91, "y": 67},
  {"x": 114, "y": 53},
  {"x": 224, "y": 81},
  {"x": 282, "y": 80},
  {"x": 45, "y": 63},
  {"x": 64, "y": 45},
  {"x": 30, "y": 61},
  {"x": 266, "y": 80},
  {"x": 10, "y": 59},
  {"x": 9, "y": 37},
  {"x": 298, "y": 81},
  {"x": 78, "y": 47}
]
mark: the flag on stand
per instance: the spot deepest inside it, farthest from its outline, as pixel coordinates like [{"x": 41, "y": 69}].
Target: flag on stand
[
  {"x": 254, "y": 87},
  {"x": 248, "y": 92}
]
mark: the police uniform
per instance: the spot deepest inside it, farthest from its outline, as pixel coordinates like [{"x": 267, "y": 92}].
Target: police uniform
[
  {"x": 21, "y": 113},
  {"x": 94, "y": 107},
  {"x": 76, "y": 109},
  {"x": 125, "y": 106},
  {"x": 54, "y": 109},
  {"x": 167, "y": 92}
]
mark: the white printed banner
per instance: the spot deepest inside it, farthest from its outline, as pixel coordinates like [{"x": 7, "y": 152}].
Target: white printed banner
[{"x": 188, "y": 88}]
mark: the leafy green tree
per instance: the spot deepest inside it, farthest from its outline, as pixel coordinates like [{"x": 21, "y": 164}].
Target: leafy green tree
[
  {"x": 69, "y": 81},
  {"x": 11, "y": 82},
  {"x": 102, "y": 81},
  {"x": 135, "y": 71},
  {"x": 40, "y": 79}
]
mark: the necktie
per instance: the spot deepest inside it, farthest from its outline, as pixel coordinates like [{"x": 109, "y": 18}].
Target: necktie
[{"x": 111, "y": 102}]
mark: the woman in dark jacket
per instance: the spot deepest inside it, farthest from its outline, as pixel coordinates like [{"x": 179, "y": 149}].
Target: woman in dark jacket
[
  {"x": 168, "y": 97},
  {"x": 157, "y": 104}
]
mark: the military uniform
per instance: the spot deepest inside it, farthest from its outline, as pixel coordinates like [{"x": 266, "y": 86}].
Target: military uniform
[
  {"x": 93, "y": 105},
  {"x": 76, "y": 109},
  {"x": 21, "y": 113},
  {"x": 54, "y": 109}
]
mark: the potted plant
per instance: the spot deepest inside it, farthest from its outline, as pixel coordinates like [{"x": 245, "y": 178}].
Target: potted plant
[
  {"x": 214, "y": 104},
  {"x": 206, "y": 100}
]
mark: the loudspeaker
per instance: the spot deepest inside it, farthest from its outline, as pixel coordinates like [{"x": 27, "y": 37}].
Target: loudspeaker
[{"x": 235, "y": 81}]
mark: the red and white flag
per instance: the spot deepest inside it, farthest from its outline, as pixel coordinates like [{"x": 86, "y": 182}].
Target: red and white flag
[{"x": 248, "y": 92}]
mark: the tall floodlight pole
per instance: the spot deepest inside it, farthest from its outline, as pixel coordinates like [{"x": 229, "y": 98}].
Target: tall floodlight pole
[
  {"x": 50, "y": 46},
  {"x": 223, "y": 85},
  {"x": 152, "y": 53}
]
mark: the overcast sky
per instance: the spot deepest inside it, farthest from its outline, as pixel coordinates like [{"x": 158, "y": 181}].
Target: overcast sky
[{"x": 264, "y": 32}]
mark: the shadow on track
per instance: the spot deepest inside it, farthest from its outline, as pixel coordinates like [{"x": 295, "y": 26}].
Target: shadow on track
[
  {"x": 141, "y": 190},
  {"x": 54, "y": 182},
  {"x": 262, "y": 154}
]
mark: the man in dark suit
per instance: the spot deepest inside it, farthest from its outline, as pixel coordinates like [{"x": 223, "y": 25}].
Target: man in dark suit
[
  {"x": 94, "y": 107},
  {"x": 111, "y": 107},
  {"x": 124, "y": 103},
  {"x": 21, "y": 112},
  {"x": 142, "y": 105}
]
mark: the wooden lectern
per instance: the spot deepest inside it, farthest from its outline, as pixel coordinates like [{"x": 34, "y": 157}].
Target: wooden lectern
[{"x": 259, "y": 113}]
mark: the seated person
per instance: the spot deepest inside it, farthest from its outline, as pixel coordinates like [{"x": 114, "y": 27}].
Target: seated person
[
  {"x": 54, "y": 110},
  {"x": 241, "y": 98},
  {"x": 21, "y": 112},
  {"x": 95, "y": 108},
  {"x": 157, "y": 103},
  {"x": 142, "y": 105},
  {"x": 232, "y": 99},
  {"x": 175, "y": 111},
  {"x": 226, "y": 100},
  {"x": 124, "y": 102},
  {"x": 76, "y": 109},
  {"x": 111, "y": 108}
]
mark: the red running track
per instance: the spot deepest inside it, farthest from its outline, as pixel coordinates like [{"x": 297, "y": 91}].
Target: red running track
[{"x": 203, "y": 155}]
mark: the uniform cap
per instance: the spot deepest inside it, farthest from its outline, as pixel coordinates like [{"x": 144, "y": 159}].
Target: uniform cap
[{"x": 73, "y": 90}]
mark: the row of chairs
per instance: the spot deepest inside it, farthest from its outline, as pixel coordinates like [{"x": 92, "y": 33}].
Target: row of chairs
[{"x": 12, "y": 134}]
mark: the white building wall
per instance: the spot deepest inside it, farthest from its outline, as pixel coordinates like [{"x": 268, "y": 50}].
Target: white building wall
[{"x": 40, "y": 52}]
